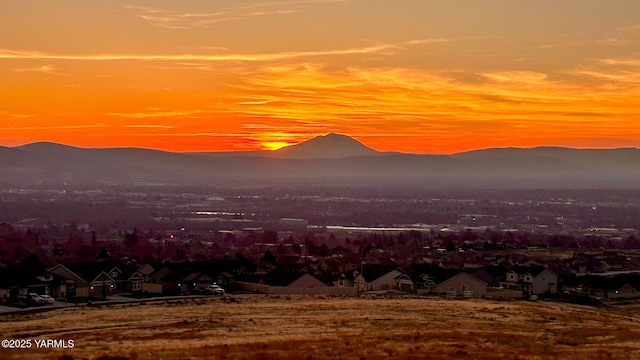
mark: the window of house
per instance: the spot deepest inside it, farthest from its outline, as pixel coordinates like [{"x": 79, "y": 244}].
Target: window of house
[{"x": 137, "y": 285}]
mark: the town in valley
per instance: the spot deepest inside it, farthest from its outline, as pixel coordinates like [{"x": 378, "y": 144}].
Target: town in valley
[{"x": 78, "y": 244}]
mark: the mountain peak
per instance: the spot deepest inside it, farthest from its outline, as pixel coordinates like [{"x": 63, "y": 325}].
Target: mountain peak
[
  {"x": 335, "y": 136},
  {"x": 330, "y": 146},
  {"x": 43, "y": 145}
]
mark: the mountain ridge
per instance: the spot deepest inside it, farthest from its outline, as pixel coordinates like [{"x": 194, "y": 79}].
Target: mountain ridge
[
  {"x": 330, "y": 159},
  {"x": 371, "y": 151}
]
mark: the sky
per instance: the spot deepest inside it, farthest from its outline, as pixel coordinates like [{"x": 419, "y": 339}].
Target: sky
[{"x": 420, "y": 76}]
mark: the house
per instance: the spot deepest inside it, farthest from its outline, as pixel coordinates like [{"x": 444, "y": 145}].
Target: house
[
  {"x": 463, "y": 284},
  {"x": 171, "y": 277},
  {"x": 15, "y": 282},
  {"x": 345, "y": 280},
  {"x": 624, "y": 286},
  {"x": 289, "y": 262},
  {"x": 134, "y": 282},
  {"x": 74, "y": 286},
  {"x": 350, "y": 262},
  {"x": 492, "y": 275},
  {"x": 119, "y": 278},
  {"x": 128, "y": 280},
  {"x": 102, "y": 286},
  {"x": 184, "y": 278},
  {"x": 197, "y": 281},
  {"x": 227, "y": 281},
  {"x": 146, "y": 270},
  {"x": 366, "y": 274},
  {"x": 329, "y": 266},
  {"x": 426, "y": 276},
  {"x": 531, "y": 280},
  {"x": 148, "y": 286},
  {"x": 424, "y": 283},
  {"x": 391, "y": 280},
  {"x": 87, "y": 279},
  {"x": 307, "y": 281}
]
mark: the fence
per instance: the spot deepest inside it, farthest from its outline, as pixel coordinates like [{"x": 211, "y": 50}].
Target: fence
[
  {"x": 503, "y": 293},
  {"x": 282, "y": 290},
  {"x": 152, "y": 288}
]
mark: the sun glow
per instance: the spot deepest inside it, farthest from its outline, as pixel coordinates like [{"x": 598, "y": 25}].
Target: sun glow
[{"x": 273, "y": 145}]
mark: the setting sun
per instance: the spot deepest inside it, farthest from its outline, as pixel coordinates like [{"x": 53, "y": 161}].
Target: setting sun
[{"x": 273, "y": 145}]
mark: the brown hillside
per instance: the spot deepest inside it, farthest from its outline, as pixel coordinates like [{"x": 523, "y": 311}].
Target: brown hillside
[{"x": 260, "y": 327}]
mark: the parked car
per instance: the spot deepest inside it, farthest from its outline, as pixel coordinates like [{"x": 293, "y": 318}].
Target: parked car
[
  {"x": 35, "y": 298},
  {"x": 215, "y": 289},
  {"x": 21, "y": 300},
  {"x": 48, "y": 299}
]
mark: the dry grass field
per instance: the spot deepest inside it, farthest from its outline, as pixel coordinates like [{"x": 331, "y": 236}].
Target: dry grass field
[{"x": 304, "y": 327}]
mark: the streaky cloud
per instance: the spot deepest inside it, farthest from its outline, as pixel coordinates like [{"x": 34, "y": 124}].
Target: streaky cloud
[
  {"x": 35, "y": 55},
  {"x": 150, "y": 126},
  {"x": 55, "y": 127},
  {"x": 157, "y": 114}
]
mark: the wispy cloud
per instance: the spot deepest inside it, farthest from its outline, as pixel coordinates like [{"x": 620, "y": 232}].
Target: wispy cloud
[
  {"x": 12, "y": 115},
  {"x": 505, "y": 105},
  {"x": 223, "y": 12},
  {"x": 426, "y": 41},
  {"x": 614, "y": 73},
  {"x": 45, "y": 69},
  {"x": 624, "y": 61}
]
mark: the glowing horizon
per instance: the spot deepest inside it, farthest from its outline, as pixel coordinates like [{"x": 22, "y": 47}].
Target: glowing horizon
[{"x": 423, "y": 77}]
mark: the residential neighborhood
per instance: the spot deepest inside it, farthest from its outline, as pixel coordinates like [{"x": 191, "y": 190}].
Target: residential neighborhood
[
  {"x": 295, "y": 274},
  {"x": 504, "y": 245}
]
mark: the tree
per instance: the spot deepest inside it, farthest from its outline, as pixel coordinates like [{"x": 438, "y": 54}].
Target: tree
[
  {"x": 270, "y": 236},
  {"x": 631, "y": 242},
  {"x": 86, "y": 251},
  {"x": 31, "y": 264},
  {"x": 323, "y": 250},
  {"x": 131, "y": 240},
  {"x": 103, "y": 254},
  {"x": 281, "y": 249},
  {"x": 180, "y": 253},
  {"x": 555, "y": 241},
  {"x": 268, "y": 257},
  {"x": 57, "y": 251},
  {"x": 451, "y": 246},
  {"x": 469, "y": 235},
  {"x": 241, "y": 258}
]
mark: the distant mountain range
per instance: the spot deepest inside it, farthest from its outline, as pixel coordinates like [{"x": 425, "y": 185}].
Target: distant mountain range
[{"x": 331, "y": 159}]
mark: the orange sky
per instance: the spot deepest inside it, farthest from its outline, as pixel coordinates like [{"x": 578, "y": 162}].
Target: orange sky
[{"x": 414, "y": 76}]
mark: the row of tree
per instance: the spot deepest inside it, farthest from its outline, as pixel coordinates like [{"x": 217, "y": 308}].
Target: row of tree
[{"x": 77, "y": 245}]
